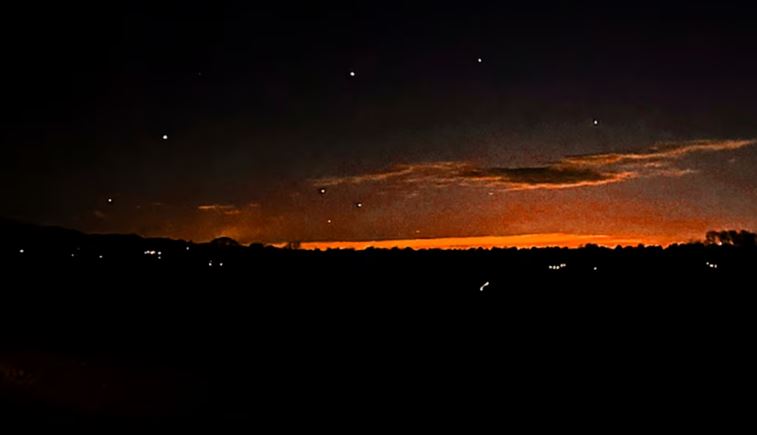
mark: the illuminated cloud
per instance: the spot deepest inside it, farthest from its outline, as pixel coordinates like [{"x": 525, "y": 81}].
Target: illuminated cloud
[
  {"x": 227, "y": 209},
  {"x": 569, "y": 172}
]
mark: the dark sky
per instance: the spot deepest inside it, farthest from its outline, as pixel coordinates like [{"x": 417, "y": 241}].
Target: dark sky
[{"x": 260, "y": 111}]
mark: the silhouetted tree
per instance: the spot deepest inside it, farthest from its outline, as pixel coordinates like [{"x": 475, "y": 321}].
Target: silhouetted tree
[
  {"x": 224, "y": 242},
  {"x": 732, "y": 238}
]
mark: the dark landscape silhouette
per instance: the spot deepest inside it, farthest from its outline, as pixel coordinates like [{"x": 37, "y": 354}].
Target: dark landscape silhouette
[{"x": 102, "y": 326}]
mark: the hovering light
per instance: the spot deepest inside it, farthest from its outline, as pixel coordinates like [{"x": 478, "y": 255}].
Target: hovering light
[
  {"x": 110, "y": 200},
  {"x": 165, "y": 137},
  {"x": 100, "y": 257},
  {"x": 479, "y": 60},
  {"x": 359, "y": 204},
  {"x": 20, "y": 251},
  {"x": 595, "y": 122},
  {"x": 352, "y": 74},
  {"x": 486, "y": 284},
  {"x": 595, "y": 268},
  {"x": 210, "y": 264},
  {"x": 328, "y": 221},
  {"x": 187, "y": 248},
  {"x": 322, "y": 190},
  {"x": 160, "y": 253},
  {"x": 220, "y": 264},
  {"x": 73, "y": 255}
]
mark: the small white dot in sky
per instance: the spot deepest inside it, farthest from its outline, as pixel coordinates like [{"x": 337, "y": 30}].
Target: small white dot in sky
[
  {"x": 328, "y": 221},
  {"x": 20, "y": 251},
  {"x": 479, "y": 60},
  {"x": 352, "y": 74},
  {"x": 165, "y": 137},
  {"x": 484, "y": 286},
  {"x": 322, "y": 190},
  {"x": 595, "y": 122},
  {"x": 110, "y": 200},
  {"x": 100, "y": 257},
  {"x": 359, "y": 204}
]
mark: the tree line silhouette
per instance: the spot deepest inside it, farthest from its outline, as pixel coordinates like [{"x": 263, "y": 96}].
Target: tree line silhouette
[{"x": 221, "y": 329}]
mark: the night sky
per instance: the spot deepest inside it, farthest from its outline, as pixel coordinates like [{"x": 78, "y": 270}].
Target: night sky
[{"x": 372, "y": 121}]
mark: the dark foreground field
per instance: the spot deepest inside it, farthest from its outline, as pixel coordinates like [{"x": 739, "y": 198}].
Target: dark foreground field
[{"x": 364, "y": 339}]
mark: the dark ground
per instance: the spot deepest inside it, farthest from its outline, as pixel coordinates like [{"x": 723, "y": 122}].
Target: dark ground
[{"x": 364, "y": 339}]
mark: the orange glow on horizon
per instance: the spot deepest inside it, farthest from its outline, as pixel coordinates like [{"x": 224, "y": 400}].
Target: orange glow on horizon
[{"x": 518, "y": 241}]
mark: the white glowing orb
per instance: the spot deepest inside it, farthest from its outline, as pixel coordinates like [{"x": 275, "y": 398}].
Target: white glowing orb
[
  {"x": 165, "y": 137},
  {"x": 486, "y": 284},
  {"x": 328, "y": 221},
  {"x": 20, "y": 251},
  {"x": 110, "y": 200},
  {"x": 595, "y": 122},
  {"x": 479, "y": 60},
  {"x": 352, "y": 74}
]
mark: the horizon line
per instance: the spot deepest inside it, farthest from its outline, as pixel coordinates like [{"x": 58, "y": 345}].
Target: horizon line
[{"x": 536, "y": 240}]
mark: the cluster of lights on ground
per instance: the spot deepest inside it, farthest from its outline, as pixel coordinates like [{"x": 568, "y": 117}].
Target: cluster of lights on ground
[{"x": 211, "y": 263}]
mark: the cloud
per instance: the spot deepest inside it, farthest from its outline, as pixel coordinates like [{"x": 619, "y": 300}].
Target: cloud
[
  {"x": 227, "y": 209},
  {"x": 569, "y": 172}
]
